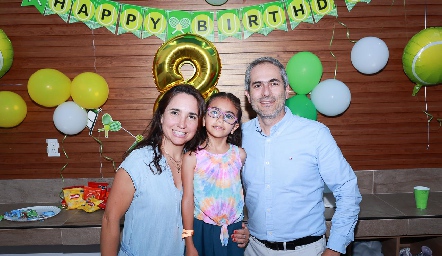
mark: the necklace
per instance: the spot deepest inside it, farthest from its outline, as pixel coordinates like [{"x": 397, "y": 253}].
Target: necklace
[{"x": 175, "y": 162}]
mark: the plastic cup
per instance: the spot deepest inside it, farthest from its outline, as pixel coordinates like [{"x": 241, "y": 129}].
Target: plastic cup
[{"x": 421, "y": 196}]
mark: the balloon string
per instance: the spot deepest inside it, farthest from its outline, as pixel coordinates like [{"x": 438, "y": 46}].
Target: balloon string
[
  {"x": 64, "y": 152},
  {"x": 128, "y": 132},
  {"x": 101, "y": 153},
  {"x": 425, "y": 89},
  {"x": 348, "y": 32},
  {"x": 93, "y": 47},
  {"x": 429, "y": 117},
  {"x": 332, "y": 54},
  {"x": 425, "y": 19},
  {"x": 101, "y": 159}
]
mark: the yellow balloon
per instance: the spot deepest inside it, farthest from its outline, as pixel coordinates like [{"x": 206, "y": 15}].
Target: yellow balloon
[
  {"x": 89, "y": 90},
  {"x": 422, "y": 58},
  {"x": 6, "y": 53},
  {"x": 49, "y": 87},
  {"x": 13, "y": 109},
  {"x": 191, "y": 49}
]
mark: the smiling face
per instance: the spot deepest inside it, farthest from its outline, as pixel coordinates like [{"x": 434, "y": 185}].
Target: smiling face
[
  {"x": 219, "y": 110},
  {"x": 267, "y": 93},
  {"x": 180, "y": 119}
]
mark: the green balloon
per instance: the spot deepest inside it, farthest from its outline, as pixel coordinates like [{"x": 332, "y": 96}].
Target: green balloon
[
  {"x": 304, "y": 71},
  {"x": 302, "y": 106}
]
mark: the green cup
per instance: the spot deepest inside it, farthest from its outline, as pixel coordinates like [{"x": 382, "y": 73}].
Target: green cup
[{"x": 421, "y": 196}]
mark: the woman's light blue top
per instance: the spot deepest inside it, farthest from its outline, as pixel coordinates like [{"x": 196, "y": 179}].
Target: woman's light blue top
[{"x": 153, "y": 222}]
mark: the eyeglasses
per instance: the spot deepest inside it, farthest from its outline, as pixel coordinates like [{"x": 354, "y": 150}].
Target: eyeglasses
[{"x": 227, "y": 117}]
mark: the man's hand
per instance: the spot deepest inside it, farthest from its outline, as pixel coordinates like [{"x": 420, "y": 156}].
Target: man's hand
[
  {"x": 241, "y": 236},
  {"x": 329, "y": 252}
]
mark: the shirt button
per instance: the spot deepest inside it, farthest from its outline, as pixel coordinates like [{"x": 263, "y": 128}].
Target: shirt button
[
  {"x": 268, "y": 209},
  {"x": 267, "y": 163},
  {"x": 267, "y": 186}
]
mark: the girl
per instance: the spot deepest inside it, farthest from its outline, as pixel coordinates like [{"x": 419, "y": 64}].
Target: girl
[
  {"x": 213, "y": 202},
  {"x": 147, "y": 186}
]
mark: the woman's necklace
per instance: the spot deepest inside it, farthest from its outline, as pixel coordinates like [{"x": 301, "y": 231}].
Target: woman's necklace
[{"x": 175, "y": 162}]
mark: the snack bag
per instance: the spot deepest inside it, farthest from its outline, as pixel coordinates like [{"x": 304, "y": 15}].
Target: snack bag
[
  {"x": 102, "y": 185},
  {"x": 90, "y": 192},
  {"x": 73, "y": 196},
  {"x": 91, "y": 205}
]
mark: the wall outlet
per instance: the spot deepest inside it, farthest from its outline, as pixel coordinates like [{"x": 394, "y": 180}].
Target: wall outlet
[{"x": 52, "y": 148}]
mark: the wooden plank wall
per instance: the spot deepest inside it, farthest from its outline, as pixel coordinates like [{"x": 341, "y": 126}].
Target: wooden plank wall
[{"x": 384, "y": 128}]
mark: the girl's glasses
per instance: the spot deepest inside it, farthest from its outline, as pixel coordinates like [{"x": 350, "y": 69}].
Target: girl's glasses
[{"x": 227, "y": 117}]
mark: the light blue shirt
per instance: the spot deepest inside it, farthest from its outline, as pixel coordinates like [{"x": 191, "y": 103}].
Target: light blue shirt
[
  {"x": 153, "y": 222},
  {"x": 284, "y": 177}
]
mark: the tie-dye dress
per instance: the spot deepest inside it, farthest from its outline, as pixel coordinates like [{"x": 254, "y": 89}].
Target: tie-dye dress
[{"x": 218, "y": 193}]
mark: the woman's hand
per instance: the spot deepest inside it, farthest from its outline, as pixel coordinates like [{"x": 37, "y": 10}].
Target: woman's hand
[{"x": 241, "y": 236}]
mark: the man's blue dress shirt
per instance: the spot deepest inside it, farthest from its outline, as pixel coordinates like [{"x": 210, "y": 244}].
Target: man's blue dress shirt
[{"x": 284, "y": 178}]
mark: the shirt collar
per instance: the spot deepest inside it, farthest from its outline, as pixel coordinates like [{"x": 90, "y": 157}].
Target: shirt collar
[{"x": 275, "y": 127}]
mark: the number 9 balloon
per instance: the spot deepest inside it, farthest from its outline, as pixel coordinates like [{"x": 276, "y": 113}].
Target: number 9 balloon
[{"x": 191, "y": 49}]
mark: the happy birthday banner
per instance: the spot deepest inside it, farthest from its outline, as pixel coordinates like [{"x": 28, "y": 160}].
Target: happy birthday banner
[{"x": 144, "y": 22}]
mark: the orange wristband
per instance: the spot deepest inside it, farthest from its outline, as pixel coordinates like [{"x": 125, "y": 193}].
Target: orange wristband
[{"x": 187, "y": 233}]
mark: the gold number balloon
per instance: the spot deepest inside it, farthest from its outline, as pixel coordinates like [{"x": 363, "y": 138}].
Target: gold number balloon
[{"x": 191, "y": 49}]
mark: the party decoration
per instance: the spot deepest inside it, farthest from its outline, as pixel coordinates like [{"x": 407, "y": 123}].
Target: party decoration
[
  {"x": 369, "y": 55},
  {"x": 49, "y": 87},
  {"x": 138, "y": 138},
  {"x": 89, "y": 90},
  {"x": 69, "y": 118},
  {"x": 331, "y": 97},
  {"x": 109, "y": 125},
  {"x": 301, "y": 105},
  {"x": 13, "y": 109},
  {"x": 216, "y": 2},
  {"x": 422, "y": 57},
  {"x": 92, "y": 116},
  {"x": 191, "y": 49},
  {"x": 6, "y": 53},
  {"x": 304, "y": 71},
  {"x": 161, "y": 22}
]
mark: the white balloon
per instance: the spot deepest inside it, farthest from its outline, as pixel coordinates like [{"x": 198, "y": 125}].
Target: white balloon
[
  {"x": 69, "y": 118},
  {"x": 216, "y": 2},
  {"x": 369, "y": 55},
  {"x": 331, "y": 97}
]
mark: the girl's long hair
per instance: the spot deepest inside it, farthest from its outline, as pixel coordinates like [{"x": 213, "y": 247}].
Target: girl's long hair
[{"x": 154, "y": 132}]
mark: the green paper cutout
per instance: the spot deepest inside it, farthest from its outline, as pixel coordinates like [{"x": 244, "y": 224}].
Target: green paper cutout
[
  {"x": 203, "y": 24},
  {"x": 229, "y": 24},
  {"x": 131, "y": 20},
  {"x": 39, "y": 4},
  {"x": 178, "y": 23},
  {"x": 155, "y": 23},
  {"x": 107, "y": 14},
  {"x": 299, "y": 11}
]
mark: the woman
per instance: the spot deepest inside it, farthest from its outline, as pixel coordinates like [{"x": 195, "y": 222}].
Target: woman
[{"x": 147, "y": 187}]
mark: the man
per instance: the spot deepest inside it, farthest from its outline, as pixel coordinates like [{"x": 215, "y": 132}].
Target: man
[{"x": 289, "y": 158}]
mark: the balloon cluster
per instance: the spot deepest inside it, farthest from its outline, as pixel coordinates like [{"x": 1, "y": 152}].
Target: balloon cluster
[
  {"x": 330, "y": 97},
  {"x": 51, "y": 88},
  {"x": 191, "y": 49}
]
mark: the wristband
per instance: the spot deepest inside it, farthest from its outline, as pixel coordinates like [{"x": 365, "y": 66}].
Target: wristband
[{"x": 187, "y": 233}]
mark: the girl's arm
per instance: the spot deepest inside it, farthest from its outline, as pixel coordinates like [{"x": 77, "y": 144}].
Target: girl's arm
[
  {"x": 241, "y": 236},
  {"x": 119, "y": 200},
  {"x": 187, "y": 204}
]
